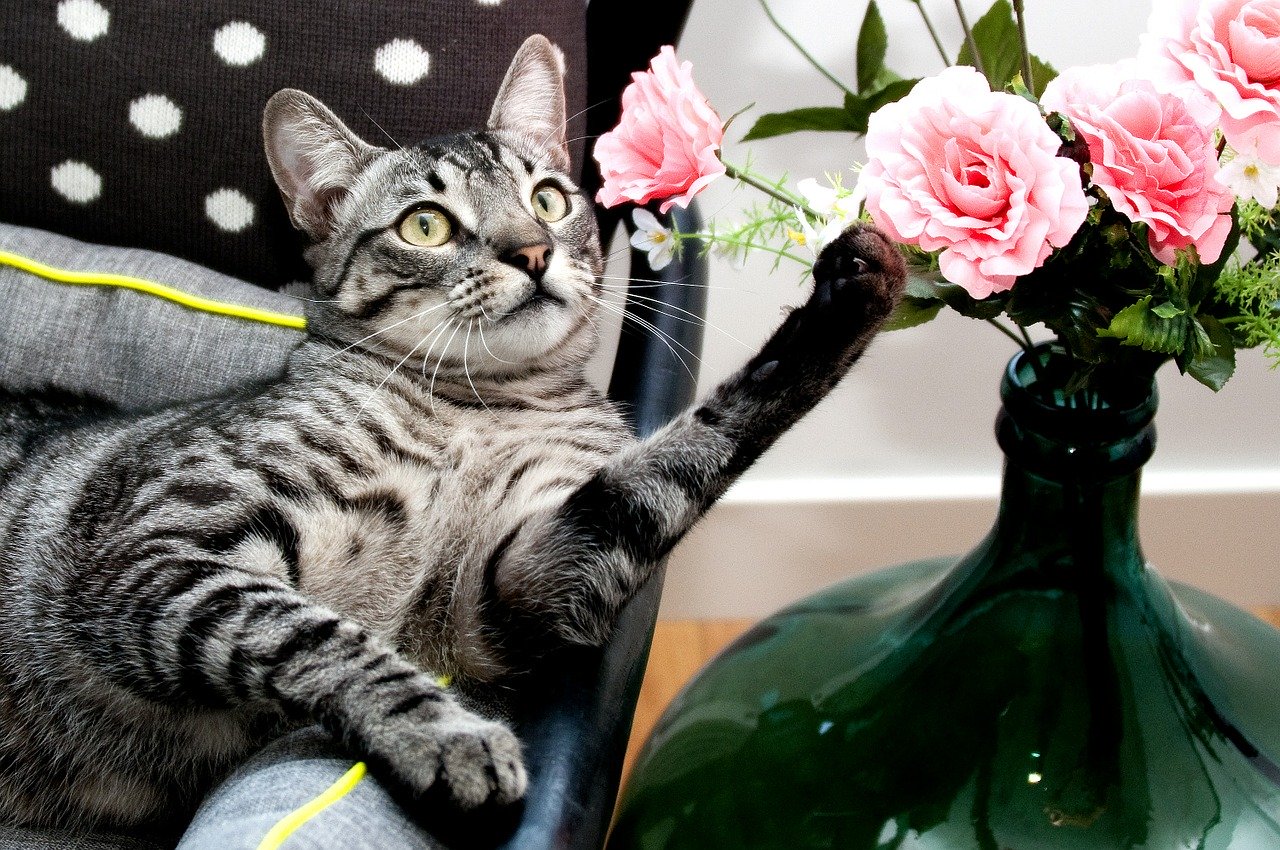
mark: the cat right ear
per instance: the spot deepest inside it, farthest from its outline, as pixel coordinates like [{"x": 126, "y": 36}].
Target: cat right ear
[{"x": 313, "y": 156}]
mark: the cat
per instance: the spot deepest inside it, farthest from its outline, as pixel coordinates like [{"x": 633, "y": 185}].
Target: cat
[{"x": 432, "y": 487}]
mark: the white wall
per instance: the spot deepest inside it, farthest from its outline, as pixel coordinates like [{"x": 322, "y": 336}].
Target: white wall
[{"x": 900, "y": 462}]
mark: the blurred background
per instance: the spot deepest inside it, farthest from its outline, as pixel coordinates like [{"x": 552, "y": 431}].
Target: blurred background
[{"x": 900, "y": 462}]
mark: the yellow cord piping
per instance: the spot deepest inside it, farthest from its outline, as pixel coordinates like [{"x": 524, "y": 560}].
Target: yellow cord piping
[
  {"x": 151, "y": 287},
  {"x": 293, "y": 821}
]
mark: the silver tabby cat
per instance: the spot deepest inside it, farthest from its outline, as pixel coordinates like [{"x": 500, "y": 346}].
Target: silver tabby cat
[{"x": 431, "y": 488}]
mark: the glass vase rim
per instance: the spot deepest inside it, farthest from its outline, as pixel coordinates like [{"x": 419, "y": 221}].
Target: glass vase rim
[{"x": 1122, "y": 407}]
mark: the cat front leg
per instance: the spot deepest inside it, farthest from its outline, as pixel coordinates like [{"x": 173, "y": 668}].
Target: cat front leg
[
  {"x": 236, "y": 638},
  {"x": 571, "y": 570}
]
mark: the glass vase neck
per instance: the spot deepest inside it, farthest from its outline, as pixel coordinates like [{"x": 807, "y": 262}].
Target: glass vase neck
[
  {"x": 1087, "y": 436},
  {"x": 1073, "y": 468}
]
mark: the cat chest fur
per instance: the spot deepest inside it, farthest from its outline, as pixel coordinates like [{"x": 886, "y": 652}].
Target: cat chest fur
[{"x": 403, "y": 547}]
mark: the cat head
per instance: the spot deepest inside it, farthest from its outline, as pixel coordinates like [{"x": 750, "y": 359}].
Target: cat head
[{"x": 473, "y": 247}]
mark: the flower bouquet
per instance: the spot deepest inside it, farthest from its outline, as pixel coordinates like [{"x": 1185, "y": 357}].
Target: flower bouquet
[
  {"x": 1048, "y": 689},
  {"x": 1129, "y": 209}
]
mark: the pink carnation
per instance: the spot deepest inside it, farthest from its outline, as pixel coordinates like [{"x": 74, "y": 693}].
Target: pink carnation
[
  {"x": 957, "y": 167},
  {"x": 1229, "y": 49},
  {"x": 1153, "y": 159},
  {"x": 665, "y": 144}
]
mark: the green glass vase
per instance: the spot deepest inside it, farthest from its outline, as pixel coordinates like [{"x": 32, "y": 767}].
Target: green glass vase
[{"x": 1047, "y": 690}]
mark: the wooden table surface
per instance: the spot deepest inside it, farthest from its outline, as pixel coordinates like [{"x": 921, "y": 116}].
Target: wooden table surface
[{"x": 681, "y": 647}]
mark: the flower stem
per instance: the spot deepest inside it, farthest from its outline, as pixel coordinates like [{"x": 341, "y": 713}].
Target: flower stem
[
  {"x": 708, "y": 237},
  {"x": 968, "y": 39},
  {"x": 998, "y": 325},
  {"x": 1019, "y": 11},
  {"x": 800, "y": 47},
  {"x": 744, "y": 176},
  {"x": 1024, "y": 342},
  {"x": 933, "y": 33}
]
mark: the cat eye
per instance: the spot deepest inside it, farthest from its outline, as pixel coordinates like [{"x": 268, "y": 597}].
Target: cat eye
[
  {"x": 549, "y": 203},
  {"x": 426, "y": 227}
]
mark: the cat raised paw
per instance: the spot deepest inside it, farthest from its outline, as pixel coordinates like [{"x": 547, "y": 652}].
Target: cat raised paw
[{"x": 860, "y": 270}]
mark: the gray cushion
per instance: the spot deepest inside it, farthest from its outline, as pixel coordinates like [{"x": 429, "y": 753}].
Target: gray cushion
[
  {"x": 285, "y": 778},
  {"x": 129, "y": 347}
]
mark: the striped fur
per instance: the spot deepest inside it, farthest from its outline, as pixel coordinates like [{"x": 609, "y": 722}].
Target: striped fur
[{"x": 431, "y": 486}]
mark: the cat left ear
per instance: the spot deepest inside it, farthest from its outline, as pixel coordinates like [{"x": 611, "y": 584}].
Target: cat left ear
[
  {"x": 313, "y": 156},
  {"x": 531, "y": 100}
]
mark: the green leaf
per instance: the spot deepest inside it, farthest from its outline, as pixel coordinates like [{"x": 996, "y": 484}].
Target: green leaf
[
  {"x": 911, "y": 312},
  {"x": 1167, "y": 310},
  {"x": 1044, "y": 74},
  {"x": 873, "y": 40},
  {"x": 890, "y": 92},
  {"x": 1139, "y": 325},
  {"x": 956, "y": 298},
  {"x": 996, "y": 37},
  {"x": 1216, "y": 368},
  {"x": 808, "y": 118},
  {"x": 883, "y": 78}
]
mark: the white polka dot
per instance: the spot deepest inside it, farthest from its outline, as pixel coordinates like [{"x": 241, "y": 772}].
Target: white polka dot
[
  {"x": 76, "y": 182},
  {"x": 402, "y": 62},
  {"x": 84, "y": 20},
  {"x": 229, "y": 209},
  {"x": 239, "y": 43},
  {"x": 13, "y": 88},
  {"x": 155, "y": 116},
  {"x": 489, "y": 2}
]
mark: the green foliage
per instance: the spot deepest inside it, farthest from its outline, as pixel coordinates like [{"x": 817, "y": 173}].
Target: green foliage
[
  {"x": 809, "y": 118},
  {"x": 1216, "y": 368},
  {"x": 873, "y": 41},
  {"x": 996, "y": 37},
  {"x": 1251, "y": 292},
  {"x": 876, "y": 86}
]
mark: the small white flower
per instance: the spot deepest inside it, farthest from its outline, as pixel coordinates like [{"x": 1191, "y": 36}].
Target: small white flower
[
  {"x": 1248, "y": 176},
  {"x": 652, "y": 237},
  {"x": 837, "y": 206},
  {"x": 816, "y": 238},
  {"x": 829, "y": 200}
]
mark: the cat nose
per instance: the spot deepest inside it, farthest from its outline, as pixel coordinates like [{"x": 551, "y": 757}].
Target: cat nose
[{"x": 532, "y": 259}]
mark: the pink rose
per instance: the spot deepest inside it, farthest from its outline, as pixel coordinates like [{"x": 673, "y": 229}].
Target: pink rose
[
  {"x": 957, "y": 167},
  {"x": 1155, "y": 162},
  {"x": 1230, "y": 49},
  {"x": 665, "y": 144}
]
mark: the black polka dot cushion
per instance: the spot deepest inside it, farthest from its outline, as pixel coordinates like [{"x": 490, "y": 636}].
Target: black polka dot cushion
[{"x": 133, "y": 123}]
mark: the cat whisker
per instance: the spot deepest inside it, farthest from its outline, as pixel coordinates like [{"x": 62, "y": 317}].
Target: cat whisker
[
  {"x": 381, "y": 331},
  {"x": 680, "y": 280},
  {"x": 466, "y": 370},
  {"x": 435, "y": 336},
  {"x": 431, "y": 389},
  {"x": 382, "y": 129},
  {"x": 480, "y": 327},
  {"x": 390, "y": 374},
  {"x": 613, "y": 287},
  {"x": 565, "y": 123},
  {"x": 659, "y": 334},
  {"x": 311, "y": 300},
  {"x": 689, "y": 317}
]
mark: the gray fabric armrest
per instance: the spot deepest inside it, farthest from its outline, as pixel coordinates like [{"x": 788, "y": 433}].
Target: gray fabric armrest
[{"x": 133, "y": 348}]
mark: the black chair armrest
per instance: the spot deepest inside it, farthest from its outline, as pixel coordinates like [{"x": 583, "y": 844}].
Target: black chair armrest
[{"x": 577, "y": 723}]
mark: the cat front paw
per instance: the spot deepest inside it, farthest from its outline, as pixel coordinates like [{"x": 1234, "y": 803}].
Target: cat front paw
[
  {"x": 458, "y": 755},
  {"x": 862, "y": 274}
]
